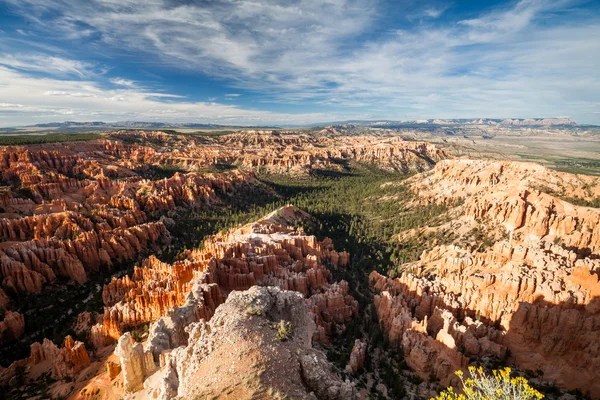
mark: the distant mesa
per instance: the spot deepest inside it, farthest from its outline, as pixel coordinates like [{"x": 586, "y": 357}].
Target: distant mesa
[
  {"x": 483, "y": 121},
  {"x": 371, "y": 123},
  {"x": 139, "y": 125}
]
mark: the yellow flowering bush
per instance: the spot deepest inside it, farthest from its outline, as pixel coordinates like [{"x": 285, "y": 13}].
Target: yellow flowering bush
[{"x": 481, "y": 386}]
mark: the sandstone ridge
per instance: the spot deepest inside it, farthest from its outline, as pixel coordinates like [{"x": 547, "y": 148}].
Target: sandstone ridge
[{"x": 532, "y": 298}]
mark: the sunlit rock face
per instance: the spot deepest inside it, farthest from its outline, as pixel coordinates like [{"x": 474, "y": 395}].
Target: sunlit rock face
[
  {"x": 71, "y": 210},
  {"x": 532, "y": 298},
  {"x": 239, "y": 348},
  {"x": 178, "y": 300},
  {"x": 268, "y": 252},
  {"x": 181, "y": 297},
  {"x": 279, "y": 151},
  {"x": 70, "y": 227}
]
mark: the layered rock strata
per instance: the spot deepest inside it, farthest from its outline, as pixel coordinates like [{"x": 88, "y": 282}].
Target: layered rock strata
[
  {"x": 68, "y": 210},
  {"x": 279, "y": 151},
  {"x": 182, "y": 300},
  {"x": 532, "y": 299},
  {"x": 267, "y": 252}
]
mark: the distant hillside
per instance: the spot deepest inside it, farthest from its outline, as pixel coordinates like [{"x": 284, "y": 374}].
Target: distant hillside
[
  {"x": 482, "y": 121},
  {"x": 135, "y": 124},
  {"x": 451, "y": 122},
  {"x": 99, "y": 125}
]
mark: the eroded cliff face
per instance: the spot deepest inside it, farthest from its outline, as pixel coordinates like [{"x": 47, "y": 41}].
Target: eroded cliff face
[
  {"x": 60, "y": 362},
  {"x": 12, "y": 326},
  {"x": 280, "y": 151},
  {"x": 524, "y": 290},
  {"x": 268, "y": 252},
  {"x": 182, "y": 297},
  {"x": 178, "y": 300},
  {"x": 532, "y": 298},
  {"x": 70, "y": 210},
  {"x": 463, "y": 178},
  {"x": 109, "y": 225}
]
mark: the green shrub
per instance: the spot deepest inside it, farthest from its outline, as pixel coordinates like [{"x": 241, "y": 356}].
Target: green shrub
[
  {"x": 284, "y": 330},
  {"x": 500, "y": 386},
  {"x": 253, "y": 311}
]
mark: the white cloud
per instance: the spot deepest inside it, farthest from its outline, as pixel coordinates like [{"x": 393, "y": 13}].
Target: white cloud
[
  {"x": 36, "y": 99},
  {"x": 502, "y": 63},
  {"x": 10, "y": 105},
  {"x": 434, "y": 12},
  {"x": 123, "y": 82},
  {"x": 72, "y": 94},
  {"x": 223, "y": 39},
  {"x": 46, "y": 64}
]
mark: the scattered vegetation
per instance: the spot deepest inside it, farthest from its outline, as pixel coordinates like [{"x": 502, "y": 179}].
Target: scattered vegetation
[
  {"x": 284, "y": 330},
  {"x": 577, "y": 166},
  {"x": 482, "y": 386},
  {"x": 140, "y": 333},
  {"x": 363, "y": 209},
  {"x": 578, "y": 201},
  {"x": 212, "y": 133},
  {"x": 595, "y": 202},
  {"x": 158, "y": 172},
  {"x": 253, "y": 311},
  {"x": 17, "y": 140},
  {"x": 362, "y": 212},
  {"x": 275, "y": 394},
  {"x": 218, "y": 167}
]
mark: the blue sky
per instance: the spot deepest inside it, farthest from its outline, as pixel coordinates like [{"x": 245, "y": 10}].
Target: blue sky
[{"x": 297, "y": 61}]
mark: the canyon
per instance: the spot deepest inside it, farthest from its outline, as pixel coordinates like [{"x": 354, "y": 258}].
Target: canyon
[
  {"x": 199, "y": 274},
  {"x": 181, "y": 302}
]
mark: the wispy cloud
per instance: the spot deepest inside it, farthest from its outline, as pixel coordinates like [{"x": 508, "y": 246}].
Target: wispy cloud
[
  {"x": 46, "y": 64},
  {"x": 516, "y": 59},
  {"x": 123, "y": 82},
  {"x": 434, "y": 12},
  {"x": 11, "y": 106},
  {"x": 71, "y": 94},
  {"x": 37, "y": 99}
]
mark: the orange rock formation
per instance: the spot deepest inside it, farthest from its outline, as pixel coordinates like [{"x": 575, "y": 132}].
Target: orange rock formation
[
  {"x": 12, "y": 326},
  {"x": 63, "y": 362},
  {"x": 533, "y": 298},
  {"x": 357, "y": 357},
  {"x": 278, "y": 151},
  {"x": 267, "y": 252}
]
